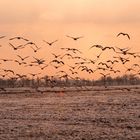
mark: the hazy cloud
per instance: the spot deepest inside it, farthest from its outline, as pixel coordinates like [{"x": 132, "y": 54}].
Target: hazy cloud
[
  {"x": 16, "y": 11},
  {"x": 69, "y": 11}
]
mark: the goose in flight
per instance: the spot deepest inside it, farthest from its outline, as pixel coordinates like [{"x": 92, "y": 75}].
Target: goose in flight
[
  {"x": 67, "y": 54},
  {"x": 3, "y": 75},
  {"x": 5, "y": 60},
  {"x": 135, "y": 65},
  {"x": 74, "y": 38},
  {"x": 112, "y": 61},
  {"x": 124, "y": 34},
  {"x": 8, "y": 70},
  {"x": 50, "y": 43},
  {"x": 73, "y": 72},
  {"x": 56, "y": 56},
  {"x": 87, "y": 70},
  {"x": 23, "y": 58},
  {"x": 115, "y": 71},
  {"x": 19, "y": 38},
  {"x": 124, "y": 51},
  {"x": 16, "y": 48},
  {"x": 104, "y": 48},
  {"x": 73, "y": 67},
  {"x": 31, "y": 43},
  {"x": 42, "y": 68},
  {"x": 21, "y": 76},
  {"x": 2, "y": 37},
  {"x": 34, "y": 74},
  {"x": 96, "y": 46},
  {"x": 105, "y": 75},
  {"x": 38, "y": 61},
  {"x": 129, "y": 69},
  {"x": 35, "y": 49},
  {"x": 57, "y": 61},
  {"x": 20, "y": 63}
]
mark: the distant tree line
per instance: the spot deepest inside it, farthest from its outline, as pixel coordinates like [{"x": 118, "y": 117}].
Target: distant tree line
[{"x": 46, "y": 81}]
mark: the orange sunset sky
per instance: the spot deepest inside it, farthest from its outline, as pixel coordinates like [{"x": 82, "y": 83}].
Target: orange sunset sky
[{"x": 99, "y": 21}]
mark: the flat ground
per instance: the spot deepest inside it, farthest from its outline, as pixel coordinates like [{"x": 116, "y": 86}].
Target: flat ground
[{"x": 102, "y": 114}]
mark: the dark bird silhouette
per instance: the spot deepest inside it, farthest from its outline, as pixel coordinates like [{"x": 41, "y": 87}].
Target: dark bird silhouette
[
  {"x": 2, "y": 37},
  {"x": 38, "y": 61},
  {"x": 73, "y": 72},
  {"x": 67, "y": 54},
  {"x": 5, "y": 60},
  {"x": 42, "y": 68},
  {"x": 98, "y": 56},
  {"x": 34, "y": 74},
  {"x": 87, "y": 70},
  {"x": 101, "y": 68},
  {"x": 65, "y": 49},
  {"x": 75, "y": 50},
  {"x": 8, "y": 70},
  {"x": 16, "y": 48},
  {"x": 72, "y": 49},
  {"x": 56, "y": 67},
  {"x": 127, "y": 60},
  {"x": 21, "y": 76},
  {"x": 66, "y": 76},
  {"x": 136, "y": 65},
  {"x": 96, "y": 46},
  {"x": 30, "y": 65},
  {"x": 101, "y": 63},
  {"x": 13, "y": 78},
  {"x": 57, "y": 61},
  {"x": 61, "y": 71},
  {"x": 20, "y": 63},
  {"x": 81, "y": 63},
  {"x": 91, "y": 61},
  {"x": 110, "y": 48},
  {"x": 123, "y": 60},
  {"x": 4, "y": 75},
  {"x": 73, "y": 67},
  {"x": 83, "y": 67},
  {"x": 56, "y": 56},
  {"x": 129, "y": 69},
  {"x": 78, "y": 57},
  {"x": 35, "y": 49},
  {"x": 114, "y": 61},
  {"x": 124, "y": 34},
  {"x": 31, "y": 43},
  {"x": 19, "y": 38},
  {"x": 105, "y": 75},
  {"x": 124, "y": 51},
  {"x": 115, "y": 71},
  {"x": 50, "y": 43},
  {"x": 77, "y": 78},
  {"x": 138, "y": 73},
  {"x": 74, "y": 38},
  {"x": 23, "y": 58},
  {"x": 135, "y": 55}
]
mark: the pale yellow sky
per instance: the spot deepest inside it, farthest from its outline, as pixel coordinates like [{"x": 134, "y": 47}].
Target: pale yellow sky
[{"x": 99, "y": 21}]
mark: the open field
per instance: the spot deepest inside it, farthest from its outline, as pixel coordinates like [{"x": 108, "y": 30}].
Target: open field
[{"x": 98, "y": 114}]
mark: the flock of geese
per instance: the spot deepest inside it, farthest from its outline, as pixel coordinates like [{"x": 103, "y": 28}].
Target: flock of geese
[{"x": 78, "y": 64}]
